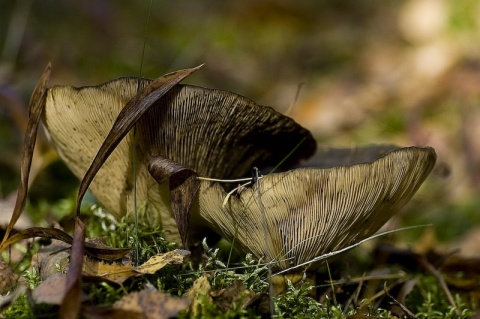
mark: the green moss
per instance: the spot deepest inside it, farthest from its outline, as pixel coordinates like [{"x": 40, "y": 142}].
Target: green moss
[
  {"x": 206, "y": 310},
  {"x": 21, "y": 309},
  {"x": 428, "y": 300}
]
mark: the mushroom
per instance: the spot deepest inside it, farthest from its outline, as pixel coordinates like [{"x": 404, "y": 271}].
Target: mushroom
[
  {"x": 212, "y": 132},
  {"x": 313, "y": 211}
]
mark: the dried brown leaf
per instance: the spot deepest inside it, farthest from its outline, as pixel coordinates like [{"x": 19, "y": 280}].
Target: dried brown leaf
[
  {"x": 156, "y": 263},
  {"x": 92, "y": 312},
  {"x": 50, "y": 257},
  {"x": 70, "y": 306},
  {"x": 152, "y": 304},
  {"x": 104, "y": 252},
  {"x": 35, "y": 109},
  {"x": 119, "y": 273},
  {"x": 225, "y": 298},
  {"x": 115, "y": 272},
  {"x": 7, "y": 278},
  {"x": 94, "y": 250},
  {"x": 201, "y": 287},
  {"x": 51, "y": 290},
  {"x": 184, "y": 186}
]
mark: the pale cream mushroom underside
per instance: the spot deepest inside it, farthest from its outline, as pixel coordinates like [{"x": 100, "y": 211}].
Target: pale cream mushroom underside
[
  {"x": 215, "y": 133},
  {"x": 313, "y": 211}
]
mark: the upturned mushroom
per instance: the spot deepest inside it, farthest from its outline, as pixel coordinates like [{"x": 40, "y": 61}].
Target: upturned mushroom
[
  {"x": 313, "y": 211},
  {"x": 212, "y": 132}
]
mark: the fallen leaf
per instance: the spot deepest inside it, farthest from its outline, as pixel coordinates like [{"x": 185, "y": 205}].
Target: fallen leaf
[
  {"x": 111, "y": 271},
  {"x": 93, "y": 312},
  {"x": 183, "y": 184},
  {"x": 51, "y": 290},
  {"x": 201, "y": 287},
  {"x": 225, "y": 298},
  {"x": 35, "y": 108},
  {"x": 94, "y": 250},
  {"x": 156, "y": 263},
  {"x": 70, "y": 306},
  {"x": 7, "y": 278},
  {"x": 50, "y": 257},
  {"x": 152, "y": 304},
  {"x": 119, "y": 273}
]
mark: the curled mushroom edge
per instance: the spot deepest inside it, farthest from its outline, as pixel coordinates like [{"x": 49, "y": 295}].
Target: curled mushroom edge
[{"x": 313, "y": 211}]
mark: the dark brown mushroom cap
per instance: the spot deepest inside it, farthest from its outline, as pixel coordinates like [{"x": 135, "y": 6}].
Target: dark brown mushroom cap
[
  {"x": 220, "y": 134},
  {"x": 216, "y": 133},
  {"x": 327, "y": 157},
  {"x": 313, "y": 211}
]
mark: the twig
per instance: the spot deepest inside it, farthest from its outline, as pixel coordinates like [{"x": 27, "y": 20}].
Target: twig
[
  {"x": 426, "y": 264},
  {"x": 407, "y": 312}
]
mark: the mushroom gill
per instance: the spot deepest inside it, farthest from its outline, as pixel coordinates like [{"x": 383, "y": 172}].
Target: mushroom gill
[
  {"x": 313, "y": 211},
  {"x": 215, "y": 133}
]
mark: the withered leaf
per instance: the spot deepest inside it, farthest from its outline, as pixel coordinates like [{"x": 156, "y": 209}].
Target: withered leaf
[
  {"x": 92, "y": 312},
  {"x": 7, "y": 278},
  {"x": 70, "y": 306},
  {"x": 156, "y": 263},
  {"x": 104, "y": 252},
  {"x": 201, "y": 287},
  {"x": 183, "y": 184},
  {"x": 114, "y": 272},
  {"x": 50, "y": 257},
  {"x": 94, "y": 250},
  {"x": 224, "y": 298},
  {"x": 119, "y": 273},
  {"x": 51, "y": 290},
  {"x": 35, "y": 109},
  {"x": 152, "y": 304},
  {"x": 127, "y": 118}
]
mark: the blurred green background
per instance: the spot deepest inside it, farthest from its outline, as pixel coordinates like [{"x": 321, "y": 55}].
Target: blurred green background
[{"x": 404, "y": 72}]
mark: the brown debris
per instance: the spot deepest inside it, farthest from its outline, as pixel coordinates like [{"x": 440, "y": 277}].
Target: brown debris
[{"x": 152, "y": 304}]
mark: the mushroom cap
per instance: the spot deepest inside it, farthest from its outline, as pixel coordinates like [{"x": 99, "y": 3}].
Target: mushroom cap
[
  {"x": 327, "y": 157},
  {"x": 313, "y": 211},
  {"x": 213, "y": 132}
]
